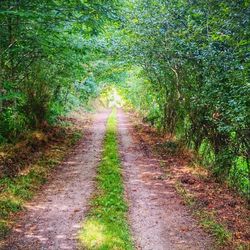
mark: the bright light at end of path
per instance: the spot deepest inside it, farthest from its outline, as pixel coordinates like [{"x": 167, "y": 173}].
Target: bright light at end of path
[{"x": 114, "y": 99}]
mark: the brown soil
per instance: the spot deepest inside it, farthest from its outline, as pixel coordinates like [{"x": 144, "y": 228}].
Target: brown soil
[
  {"x": 52, "y": 219},
  {"x": 158, "y": 218}
]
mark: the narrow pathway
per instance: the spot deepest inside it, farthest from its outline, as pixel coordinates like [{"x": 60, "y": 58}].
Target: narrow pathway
[
  {"x": 157, "y": 217},
  {"x": 53, "y": 218}
]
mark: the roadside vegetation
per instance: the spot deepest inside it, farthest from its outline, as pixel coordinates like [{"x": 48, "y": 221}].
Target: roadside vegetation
[
  {"x": 106, "y": 226},
  {"x": 20, "y": 187},
  {"x": 46, "y": 60},
  {"x": 191, "y": 62},
  {"x": 218, "y": 209}
]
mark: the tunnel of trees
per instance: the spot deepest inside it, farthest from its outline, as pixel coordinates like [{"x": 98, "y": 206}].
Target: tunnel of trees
[{"x": 183, "y": 65}]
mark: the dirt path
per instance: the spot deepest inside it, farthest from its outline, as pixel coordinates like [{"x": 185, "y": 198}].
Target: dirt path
[
  {"x": 53, "y": 217},
  {"x": 157, "y": 217}
]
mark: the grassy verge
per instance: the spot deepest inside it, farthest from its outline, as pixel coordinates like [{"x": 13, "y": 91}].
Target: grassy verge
[
  {"x": 206, "y": 219},
  {"x": 106, "y": 226},
  {"x": 15, "y": 191}
]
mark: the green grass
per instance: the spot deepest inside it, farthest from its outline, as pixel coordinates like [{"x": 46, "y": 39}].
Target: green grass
[
  {"x": 14, "y": 192},
  {"x": 219, "y": 231},
  {"x": 187, "y": 197},
  {"x": 106, "y": 226}
]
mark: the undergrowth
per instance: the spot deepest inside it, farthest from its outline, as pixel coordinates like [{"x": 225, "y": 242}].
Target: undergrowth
[
  {"x": 15, "y": 191},
  {"x": 106, "y": 226},
  {"x": 206, "y": 219}
]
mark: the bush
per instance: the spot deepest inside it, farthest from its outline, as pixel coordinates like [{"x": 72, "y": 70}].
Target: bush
[{"x": 12, "y": 124}]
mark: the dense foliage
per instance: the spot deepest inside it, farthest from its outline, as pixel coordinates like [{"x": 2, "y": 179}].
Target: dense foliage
[
  {"x": 183, "y": 64},
  {"x": 44, "y": 59},
  {"x": 193, "y": 60}
]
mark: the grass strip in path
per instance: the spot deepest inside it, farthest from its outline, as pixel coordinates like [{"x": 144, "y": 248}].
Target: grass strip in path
[{"x": 106, "y": 226}]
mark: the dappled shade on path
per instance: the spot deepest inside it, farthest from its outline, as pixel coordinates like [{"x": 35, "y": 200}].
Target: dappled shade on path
[
  {"x": 53, "y": 218},
  {"x": 158, "y": 219}
]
